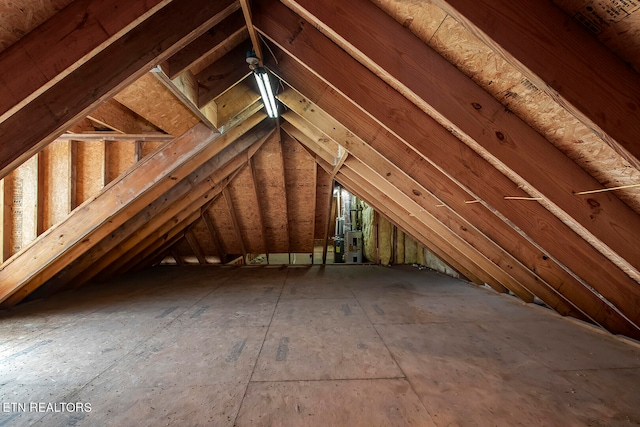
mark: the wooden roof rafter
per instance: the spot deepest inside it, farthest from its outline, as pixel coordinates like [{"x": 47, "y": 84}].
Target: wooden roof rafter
[
  {"x": 315, "y": 213},
  {"x": 419, "y": 195},
  {"x": 442, "y": 249},
  {"x": 162, "y": 238},
  {"x": 582, "y": 71},
  {"x": 153, "y": 257},
  {"x": 240, "y": 162},
  {"x": 231, "y": 170},
  {"x": 526, "y": 252},
  {"x": 176, "y": 255},
  {"x": 253, "y": 34},
  {"x": 467, "y": 163},
  {"x": 149, "y": 248},
  {"x": 327, "y": 229},
  {"x": 418, "y": 212},
  {"x": 387, "y": 208},
  {"x": 223, "y": 74},
  {"x": 18, "y": 277},
  {"x": 114, "y": 136},
  {"x": 506, "y": 141},
  {"x": 215, "y": 39},
  {"x": 300, "y": 131},
  {"x": 185, "y": 88},
  {"x": 64, "y": 43},
  {"x": 501, "y": 279},
  {"x": 174, "y": 213},
  {"x": 150, "y": 42}
]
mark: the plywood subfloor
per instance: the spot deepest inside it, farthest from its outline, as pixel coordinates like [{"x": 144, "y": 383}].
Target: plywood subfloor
[{"x": 308, "y": 346}]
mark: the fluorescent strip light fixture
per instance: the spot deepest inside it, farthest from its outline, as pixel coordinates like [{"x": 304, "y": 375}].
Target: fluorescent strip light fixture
[{"x": 268, "y": 98}]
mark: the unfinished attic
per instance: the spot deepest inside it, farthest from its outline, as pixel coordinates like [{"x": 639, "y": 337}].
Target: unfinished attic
[{"x": 315, "y": 212}]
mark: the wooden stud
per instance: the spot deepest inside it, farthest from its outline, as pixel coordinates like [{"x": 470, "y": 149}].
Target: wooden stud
[
  {"x": 105, "y": 257},
  {"x": 376, "y": 237},
  {"x": 164, "y": 225},
  {"x": 286, "y": 201},
  {"x": 73, "y": 175},
  {"x": 219, "y": 245},
  {"x": 329, "y": 219},
  {"x": 323, "y": 191},
  {"x": 106, "y": 165},
  {"x": 260, "y": 207},
  {"x": 22, "y": 193},
  {"x": 315, "y": 207},
  {"x": 176, "y": 255},
  {"x": 5, "y": 214},
  {"x": 55, "y": 191},
  {"x": 40, "y": 194},
  {"x": 234, "y": 220},
  {"x": 138, "y": 151},
  {"x": 195, "y": 246},
  {"x": 394, "y": 246}
]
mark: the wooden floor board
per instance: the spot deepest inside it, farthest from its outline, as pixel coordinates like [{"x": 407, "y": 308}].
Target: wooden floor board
[{"x": 308, "y": 346}]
